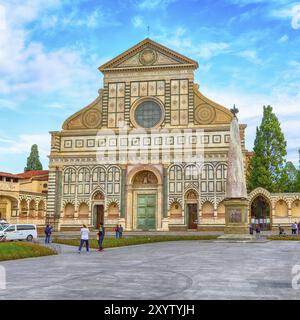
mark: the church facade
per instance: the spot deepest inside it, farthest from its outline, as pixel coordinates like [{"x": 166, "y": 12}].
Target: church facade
[{"x": 150, "y": 152}]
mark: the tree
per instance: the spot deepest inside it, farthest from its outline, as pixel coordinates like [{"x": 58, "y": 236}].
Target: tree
[
  {"x": 268, "y": 163},
  {"x": 297, "y": 184},
  {"x": 292, "y": 176},
  {"x": 33, "y": 161}
]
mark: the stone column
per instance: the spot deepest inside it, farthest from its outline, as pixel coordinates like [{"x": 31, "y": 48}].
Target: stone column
[
  {"x": 159, "y": 207},
  {"x": 129, "y": 208}
]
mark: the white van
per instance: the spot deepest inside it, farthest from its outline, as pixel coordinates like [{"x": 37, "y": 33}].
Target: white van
[{"x": 19, "y": 232}]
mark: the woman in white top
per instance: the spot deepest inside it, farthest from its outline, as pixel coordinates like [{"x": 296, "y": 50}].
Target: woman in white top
[{"x": 84, "y": 237}]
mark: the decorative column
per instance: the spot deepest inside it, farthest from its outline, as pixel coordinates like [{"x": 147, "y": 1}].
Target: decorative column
[
  {"x": 129, "y": 208},
  {"x": 159, "y": 207},
  {"x": 236, "y": 203}
]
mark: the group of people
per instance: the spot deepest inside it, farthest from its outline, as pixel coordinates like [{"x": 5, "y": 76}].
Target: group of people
[
  {"x": 295, "y": 227},
  {"x": 84, "y": 237},
  {"x": 257, "y": 230},
  {"x": 119, "y": 231}
]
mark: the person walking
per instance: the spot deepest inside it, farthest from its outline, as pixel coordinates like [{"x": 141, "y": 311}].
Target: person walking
[
  {"x": 299, "y": 227},
  {"x": 117, "y": 232},
  {"x": 101, "y": 235},
  {"x": 257, "y": 230},
  {"x": 120, "y": 231},
  {"x": 281, "y": 230},
  {"x": 294, "y": 228},
  {"x": 84, "y": 238},
  {"x": 48, "y": 232}
]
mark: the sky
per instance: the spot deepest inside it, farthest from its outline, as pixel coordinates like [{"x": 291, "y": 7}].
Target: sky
[{"x": 248, "y": 53}]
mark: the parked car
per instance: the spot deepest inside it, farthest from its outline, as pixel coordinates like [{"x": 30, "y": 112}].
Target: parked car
[
  {"x": 19, "y": 232},
  {"x": 3, "y": 226}
]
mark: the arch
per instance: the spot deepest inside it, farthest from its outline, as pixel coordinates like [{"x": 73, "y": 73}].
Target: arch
[
  {"x": 259, "y": 191},
  {"x": 174, "y": 168},
  {"x": 191, "y": 172},
  {"x": 191, "y": 196},
  {"x": 41, "y": 209},
  {"x": 281, "y": 209},
  {"x": 8, "y": 206},
  {"x": 32, "y": 208},
  {"x": 221, "y": 177},
  {"x": 83, "y": 175},
  {"x": 175, "y": 209},
  {"x": 260, "y": 211},
  {"x": 24, "y": 207},
  {"x": 207, "y": 178},
  {"x": 83, "y": 210},
  {"x": 113, "y": 209},
  {"x": 150, "y": 168},
  {"x": 69, "y": 180},
  {"x": 99, "y": 174},
  {"x": 207, "y": 209},
  {"x": 175, "y": 175},
  {"x": 145, "y": 177},
  {"x": 98, "y": 195},
  {"x": 221, "y": 210},
  {"x": 69, "y": 210},
  {"x": 296, "y": 209}
]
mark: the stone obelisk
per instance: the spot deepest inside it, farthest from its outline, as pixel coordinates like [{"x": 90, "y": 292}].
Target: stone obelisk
[{"x": 236, "y": 203}]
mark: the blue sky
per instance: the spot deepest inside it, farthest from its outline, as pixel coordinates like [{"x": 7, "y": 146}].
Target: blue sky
[{"x": 248, "y": 54}]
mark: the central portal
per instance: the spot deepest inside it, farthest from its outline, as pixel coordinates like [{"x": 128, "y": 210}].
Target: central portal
[
  {"x": 146, "y": 207},
  {"x": 192, "y": 215}
]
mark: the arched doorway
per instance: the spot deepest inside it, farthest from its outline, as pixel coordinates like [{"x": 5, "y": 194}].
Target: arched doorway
[
  {"x": 8, "y": 207},
  {"x": 98, "y": 209},
  {"x": 260, "y": 212},
  {"x": 191, "y": 200},
  {"x": 144, "y": 185}
]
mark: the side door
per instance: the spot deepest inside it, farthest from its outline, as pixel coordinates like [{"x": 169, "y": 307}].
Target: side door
[
  {"x": 21, "y": 232},
  {"x": 11, "y": 233}
]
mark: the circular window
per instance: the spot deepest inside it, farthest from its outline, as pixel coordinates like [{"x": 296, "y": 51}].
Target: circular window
[{"x": 148, "y": 114}]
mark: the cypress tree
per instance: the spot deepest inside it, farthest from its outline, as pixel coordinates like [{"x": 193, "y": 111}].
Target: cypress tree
[
  {"x": 268, "y": 163},
  {"x": 33, "y": 161},
  {"x": 292, "y": 176}
]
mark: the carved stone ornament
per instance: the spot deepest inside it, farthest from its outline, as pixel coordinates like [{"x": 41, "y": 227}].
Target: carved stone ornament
[
  {"x": 145, "y": 177},
  {"x": 92, "y": 119},
  {"x": 235, "y": 216},
  {"x": 205, "y": 114},
  {"x": 148, "y": 57}
]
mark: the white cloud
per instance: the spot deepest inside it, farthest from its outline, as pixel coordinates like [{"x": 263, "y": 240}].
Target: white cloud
[
  {"x": 23, "y": 144},
  {"x": 211, "y": 49},
  {"x": 97, "y": 18},
  {"x": 296, "y": 17},
  {"x": 286, "y": 107},
  {"x": 250, "y": 55},
  {"x": 27, "y": 66},
  {"x": 7, "y": 104},
  {"x": 2, "y": 18},
  {"x": 138, "y": 22},
  {"x": 283, "y": 39},
  {"x": 154, "y": 4},
  {"x": 292, "y": 13}
]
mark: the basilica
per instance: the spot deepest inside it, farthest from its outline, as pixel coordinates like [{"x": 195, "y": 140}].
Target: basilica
[{"x": 150, "y": 153}]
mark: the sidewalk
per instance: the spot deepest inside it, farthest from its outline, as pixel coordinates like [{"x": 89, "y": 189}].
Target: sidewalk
[{"x": 93, "y": 234}]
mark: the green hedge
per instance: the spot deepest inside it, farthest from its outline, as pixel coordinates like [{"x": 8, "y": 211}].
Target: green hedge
[
  {"x": 287, "y": 237},
  {"x": 112, "y": 242},
  {"x": 21, "y": 250}
]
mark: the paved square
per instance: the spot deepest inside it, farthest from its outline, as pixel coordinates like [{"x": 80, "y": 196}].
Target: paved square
[{"x": 167, "y": 270}]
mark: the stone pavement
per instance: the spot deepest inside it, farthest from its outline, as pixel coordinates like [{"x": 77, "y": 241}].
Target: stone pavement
[{"x": 166, "y": 270}]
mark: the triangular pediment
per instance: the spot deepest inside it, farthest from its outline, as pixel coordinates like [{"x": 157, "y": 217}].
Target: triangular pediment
[{"x": 148, "y": 55}]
